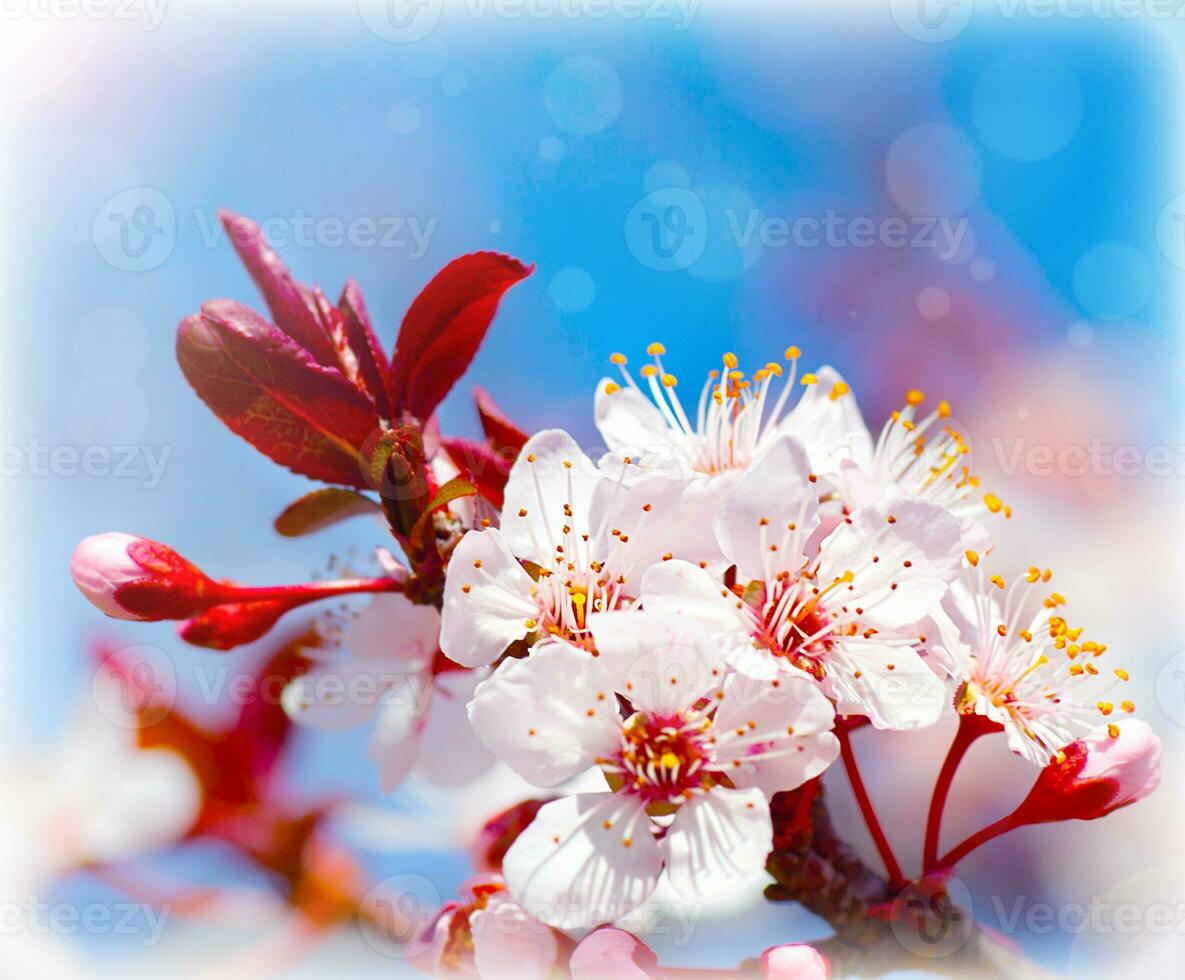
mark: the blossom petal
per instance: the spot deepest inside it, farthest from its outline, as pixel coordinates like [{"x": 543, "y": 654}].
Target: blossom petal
[
  {"x": 337, "y": 694},
  {"x": 679, "y": 588},
  {"x": 716, "y": 841},
  {"x": 393, "y": 628},
  {"x": 831, "y": 429},
  {"x": 917, "y": 552},
  {"x": 893, "y": 686},
  {"x": 660, "y": 662},
  {"x": 395, "y": 741},
  {"x": 487, "y": 600},
  {"x": 450, "y": 752},
  {"x": 508, "y": 944},
  {"x": 630, "y": 422},
  {"x": 548, "y": 716},
  {"x": 774, "y": 734},
  {"x": 775, "y": 494},
  {"x": 584, "y": 860},
  {"x": 551, "y": 485}
]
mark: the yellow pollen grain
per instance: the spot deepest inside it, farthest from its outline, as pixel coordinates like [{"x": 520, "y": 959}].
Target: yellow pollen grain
[
  {"x": 466, "y": 587},
  {"x": 530, "y": 457}
]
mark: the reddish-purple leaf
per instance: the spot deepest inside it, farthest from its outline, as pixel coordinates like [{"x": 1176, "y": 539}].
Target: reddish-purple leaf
[
  {"x": 445, "y": 326},
  {"x": 323, "y": 508},
  {"x": 482, "y": 465},
  {"x": 292, "y": 305},
  {"x": 506, "y": 437},
  {"x": 271, "y": 392},
  {"x": 374, "y": 370}
]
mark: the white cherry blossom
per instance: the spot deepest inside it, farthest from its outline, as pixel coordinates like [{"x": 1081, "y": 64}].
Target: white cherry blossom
[
  {"x": 392, "y": 678},
  {"x": 573, "y": 541},
  {"x": 1023, "y": 666},
  {"x": 690, "y": 751},
  {"x": 841, "y": 609},
  {"x": 736, "y": 421}
]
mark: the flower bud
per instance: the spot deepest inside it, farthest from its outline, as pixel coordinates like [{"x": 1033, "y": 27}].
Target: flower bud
[
  {"x": 129, "y": 577},
  {"x": 612, "y": 954},
  {"x": 1095, "y": 776},
  {"x": 794, "y": 961}
]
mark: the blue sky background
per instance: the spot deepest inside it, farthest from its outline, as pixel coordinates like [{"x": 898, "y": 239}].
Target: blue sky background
[{"x": 1055, "y": 140}]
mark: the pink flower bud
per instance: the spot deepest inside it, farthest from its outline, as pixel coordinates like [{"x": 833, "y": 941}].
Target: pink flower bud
[
  {"x": 1095, "y": 776},
  {"x": 130, "y": 577},
  {"x": 613, "y": 954},
  {"x": 794, "y": 962}
]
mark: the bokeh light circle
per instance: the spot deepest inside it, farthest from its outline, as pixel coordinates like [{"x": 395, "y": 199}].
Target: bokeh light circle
[
  {"x": 933, "y": 171},
  {"x": 1026, "y": 105},
  {"x": 583, "y": 95}
]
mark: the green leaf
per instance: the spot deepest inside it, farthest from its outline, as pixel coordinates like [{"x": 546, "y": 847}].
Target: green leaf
[{"x": 321, "y": 509}]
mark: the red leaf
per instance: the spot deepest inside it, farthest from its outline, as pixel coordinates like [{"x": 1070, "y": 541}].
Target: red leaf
[
  {"x": 373, "y": 368},
  {"x": 292, "y": 305},
  {"x": 482, "y": 465},
  {"x": 445, "y": 326},
  {"x": 271, "y": 392},
  {"x": 506, "y": 437},
  {"x": 233, "y": 624}
]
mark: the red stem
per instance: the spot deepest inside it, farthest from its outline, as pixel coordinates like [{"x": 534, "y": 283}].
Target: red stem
[
  {"x": 896, "y": 880},
  {"x": 968, "y": 731},
  {"x": 978, "y": 839},
  {"x": 306, "y": 592}
]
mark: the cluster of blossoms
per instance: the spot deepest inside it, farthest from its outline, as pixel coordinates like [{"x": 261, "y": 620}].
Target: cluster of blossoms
[{"x": 664, "y": 638}]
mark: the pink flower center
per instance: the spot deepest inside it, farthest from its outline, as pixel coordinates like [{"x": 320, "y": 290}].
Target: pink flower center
[{"x": 664, "y": 758}]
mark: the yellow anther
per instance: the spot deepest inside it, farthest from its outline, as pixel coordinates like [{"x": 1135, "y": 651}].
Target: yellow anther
[
  {"x": 618, "y": 359},
  {"x": 669, "y": 380},
  {"x": 1113, "y": 731},
  {"x": 793, "y": 353},
  {"x": 1127, "y": 706},
  {"x": 649, "y": 371},
  {"x": 1105, "y": 708},
  {"x": 656, "y": 349},
  {"x": 914, "y": 397},
  {"x": 612, "y": 388},
  {"x": 1026, "y": 636},
  {"x": 730, "y": 360},
  {"x": 774, "y": 369},
  {"x": 973, "y": 558},
  {"x": 944, "y": 410},
  {"x": 838, "y": 390},
  {"x": 1122, "y": 674},
  {"x": 993, "y": 503},
  {"x": 998, "y": 581},
  {"x": 809, "y": 379},
  {"x": 668, "y": 760}
]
